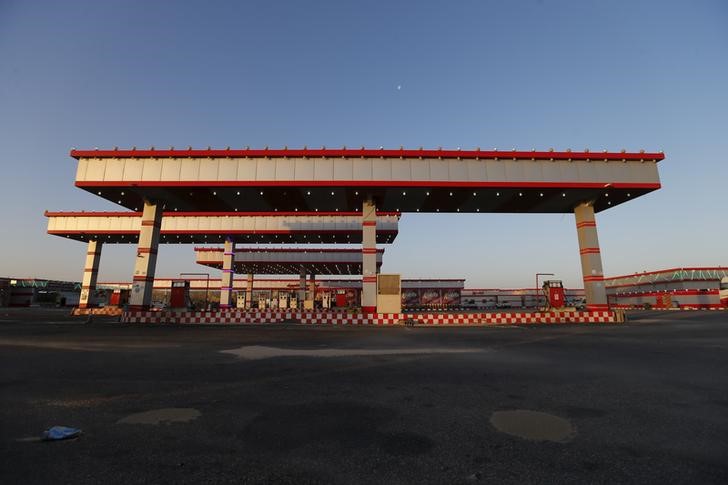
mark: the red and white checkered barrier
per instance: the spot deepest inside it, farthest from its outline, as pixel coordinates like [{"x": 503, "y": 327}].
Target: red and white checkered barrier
[
  {"x": 313, "y": 317},
  {"x": 114, "y": 311}
]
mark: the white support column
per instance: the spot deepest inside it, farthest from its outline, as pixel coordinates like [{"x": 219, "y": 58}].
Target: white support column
[
  {"x": 90, "y": 272},
  {"x": 146, "y": 258},
  {"x": 591, "y": 258},
  {"x": 249, "y": 292},
  {"x": 312, "y": 288},
  {"x": 226, "y": 283},
  {"x": 302, "y": 287},
  {"x": 369, "y": 257}
]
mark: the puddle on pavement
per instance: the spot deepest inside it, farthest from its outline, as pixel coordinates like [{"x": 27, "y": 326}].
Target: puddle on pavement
[
  {"x": 254, "y": 352},
  {"x": 159, "y": 416},
  {"x": 533, "y": 425}
]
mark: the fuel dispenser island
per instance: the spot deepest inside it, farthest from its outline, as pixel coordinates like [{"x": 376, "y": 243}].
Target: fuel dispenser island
[
  {"x": 180, "y": 294},
  {"x": 326, "y": 300},
  {"x": 341, "y": 298},
  {"x": 119, "y": 298},
  {"x": 553, "y": 290}
]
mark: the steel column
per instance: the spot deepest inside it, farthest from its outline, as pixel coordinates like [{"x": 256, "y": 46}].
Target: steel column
[
  {"x": 249, "y": 292},
  {"x": 146, "y": 258},
  {"x": 90, "y": 272},
  {"x": 312, "y": 287},
  {"x": 369, "y": 257},
  {"x": 226, "y": 283},
  {"x": 591, "y": 258},
  {"x": 302, "y": 287}
]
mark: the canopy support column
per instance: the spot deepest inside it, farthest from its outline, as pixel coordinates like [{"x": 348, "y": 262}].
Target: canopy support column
[
  {"x": 226, "y": 284},
  {"x": 302, "y": 287},
  {"x": 249, "y": 292},
  {"x": 146, "y": 258},
  {"x": 312, "y": 289},
  {"x": 90, "y": 272},
  {"x": 369, "y": 257},
  {"x": 591, "y": 258}
]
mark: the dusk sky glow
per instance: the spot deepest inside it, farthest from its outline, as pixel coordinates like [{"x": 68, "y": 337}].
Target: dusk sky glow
[{"x": 492, "y": 74}]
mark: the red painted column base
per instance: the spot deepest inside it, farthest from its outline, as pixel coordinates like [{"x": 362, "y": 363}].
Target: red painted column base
[
  {"x": 139, "y": 308},
  {"x": 597, "y": 308},
  {"x": 369, "y": 309}
]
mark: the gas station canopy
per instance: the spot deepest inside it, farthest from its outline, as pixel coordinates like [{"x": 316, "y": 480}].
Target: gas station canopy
[
  {"x": 215, "y": 227},
  {"x": 340, "y": 180},
  {"x": 289, "y": 261}
]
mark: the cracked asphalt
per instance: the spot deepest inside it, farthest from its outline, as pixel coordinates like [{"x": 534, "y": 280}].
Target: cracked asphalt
[{"x": 645, "y": 402}]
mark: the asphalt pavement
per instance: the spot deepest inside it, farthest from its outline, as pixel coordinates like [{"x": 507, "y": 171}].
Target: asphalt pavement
[{"x": 642, "y": 402}]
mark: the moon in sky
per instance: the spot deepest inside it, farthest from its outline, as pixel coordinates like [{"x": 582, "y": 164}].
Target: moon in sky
[{"x": 399, "y": 87}]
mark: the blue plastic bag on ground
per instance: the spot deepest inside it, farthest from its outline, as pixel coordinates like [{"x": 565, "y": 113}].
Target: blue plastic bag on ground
[{"x": 60, "y": 433}]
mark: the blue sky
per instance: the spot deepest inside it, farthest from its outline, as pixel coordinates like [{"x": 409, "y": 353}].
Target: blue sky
[{"x": 505, "y": 74}]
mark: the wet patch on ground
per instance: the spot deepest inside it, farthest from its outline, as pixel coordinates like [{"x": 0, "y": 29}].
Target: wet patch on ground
[{"x": 533, "y": 425}]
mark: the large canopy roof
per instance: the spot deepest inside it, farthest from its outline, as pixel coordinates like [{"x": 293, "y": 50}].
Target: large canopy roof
[
  {"x": 331, "y": 180},
  {"x": 206, "y": 227},
  {"x": 289, "y": 261}
]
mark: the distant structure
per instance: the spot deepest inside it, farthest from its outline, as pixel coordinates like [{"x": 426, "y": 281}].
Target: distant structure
[{"x": 696, "y": 288}]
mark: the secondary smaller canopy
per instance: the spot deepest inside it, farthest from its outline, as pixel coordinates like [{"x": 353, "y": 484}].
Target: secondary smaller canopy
[
  {"x": 215, "y": 227},
  {"x": 289, "y": 261}
]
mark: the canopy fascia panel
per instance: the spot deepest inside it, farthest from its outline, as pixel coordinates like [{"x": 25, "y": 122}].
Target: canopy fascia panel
[
  {"x": 340, "y": 180},
  {"x": 204, "y": 227}
]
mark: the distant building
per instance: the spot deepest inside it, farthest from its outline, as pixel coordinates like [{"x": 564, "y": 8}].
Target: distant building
[
  {"x": 489, "y": 298},
  {"x": 36, "y": 291},
  {"x": 688, "y": 288}
]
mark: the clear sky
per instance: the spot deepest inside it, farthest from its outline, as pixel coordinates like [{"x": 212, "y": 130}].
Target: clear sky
[{"x": 491, "y": 73}]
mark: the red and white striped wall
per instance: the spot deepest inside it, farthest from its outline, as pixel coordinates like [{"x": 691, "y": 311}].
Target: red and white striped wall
[{"x": 313, "y": 317}]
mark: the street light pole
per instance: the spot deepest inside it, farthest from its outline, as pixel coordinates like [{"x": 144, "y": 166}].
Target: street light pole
[
  {"x": 538, "y": 297},
  {"x": 207, "y": 286}
]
